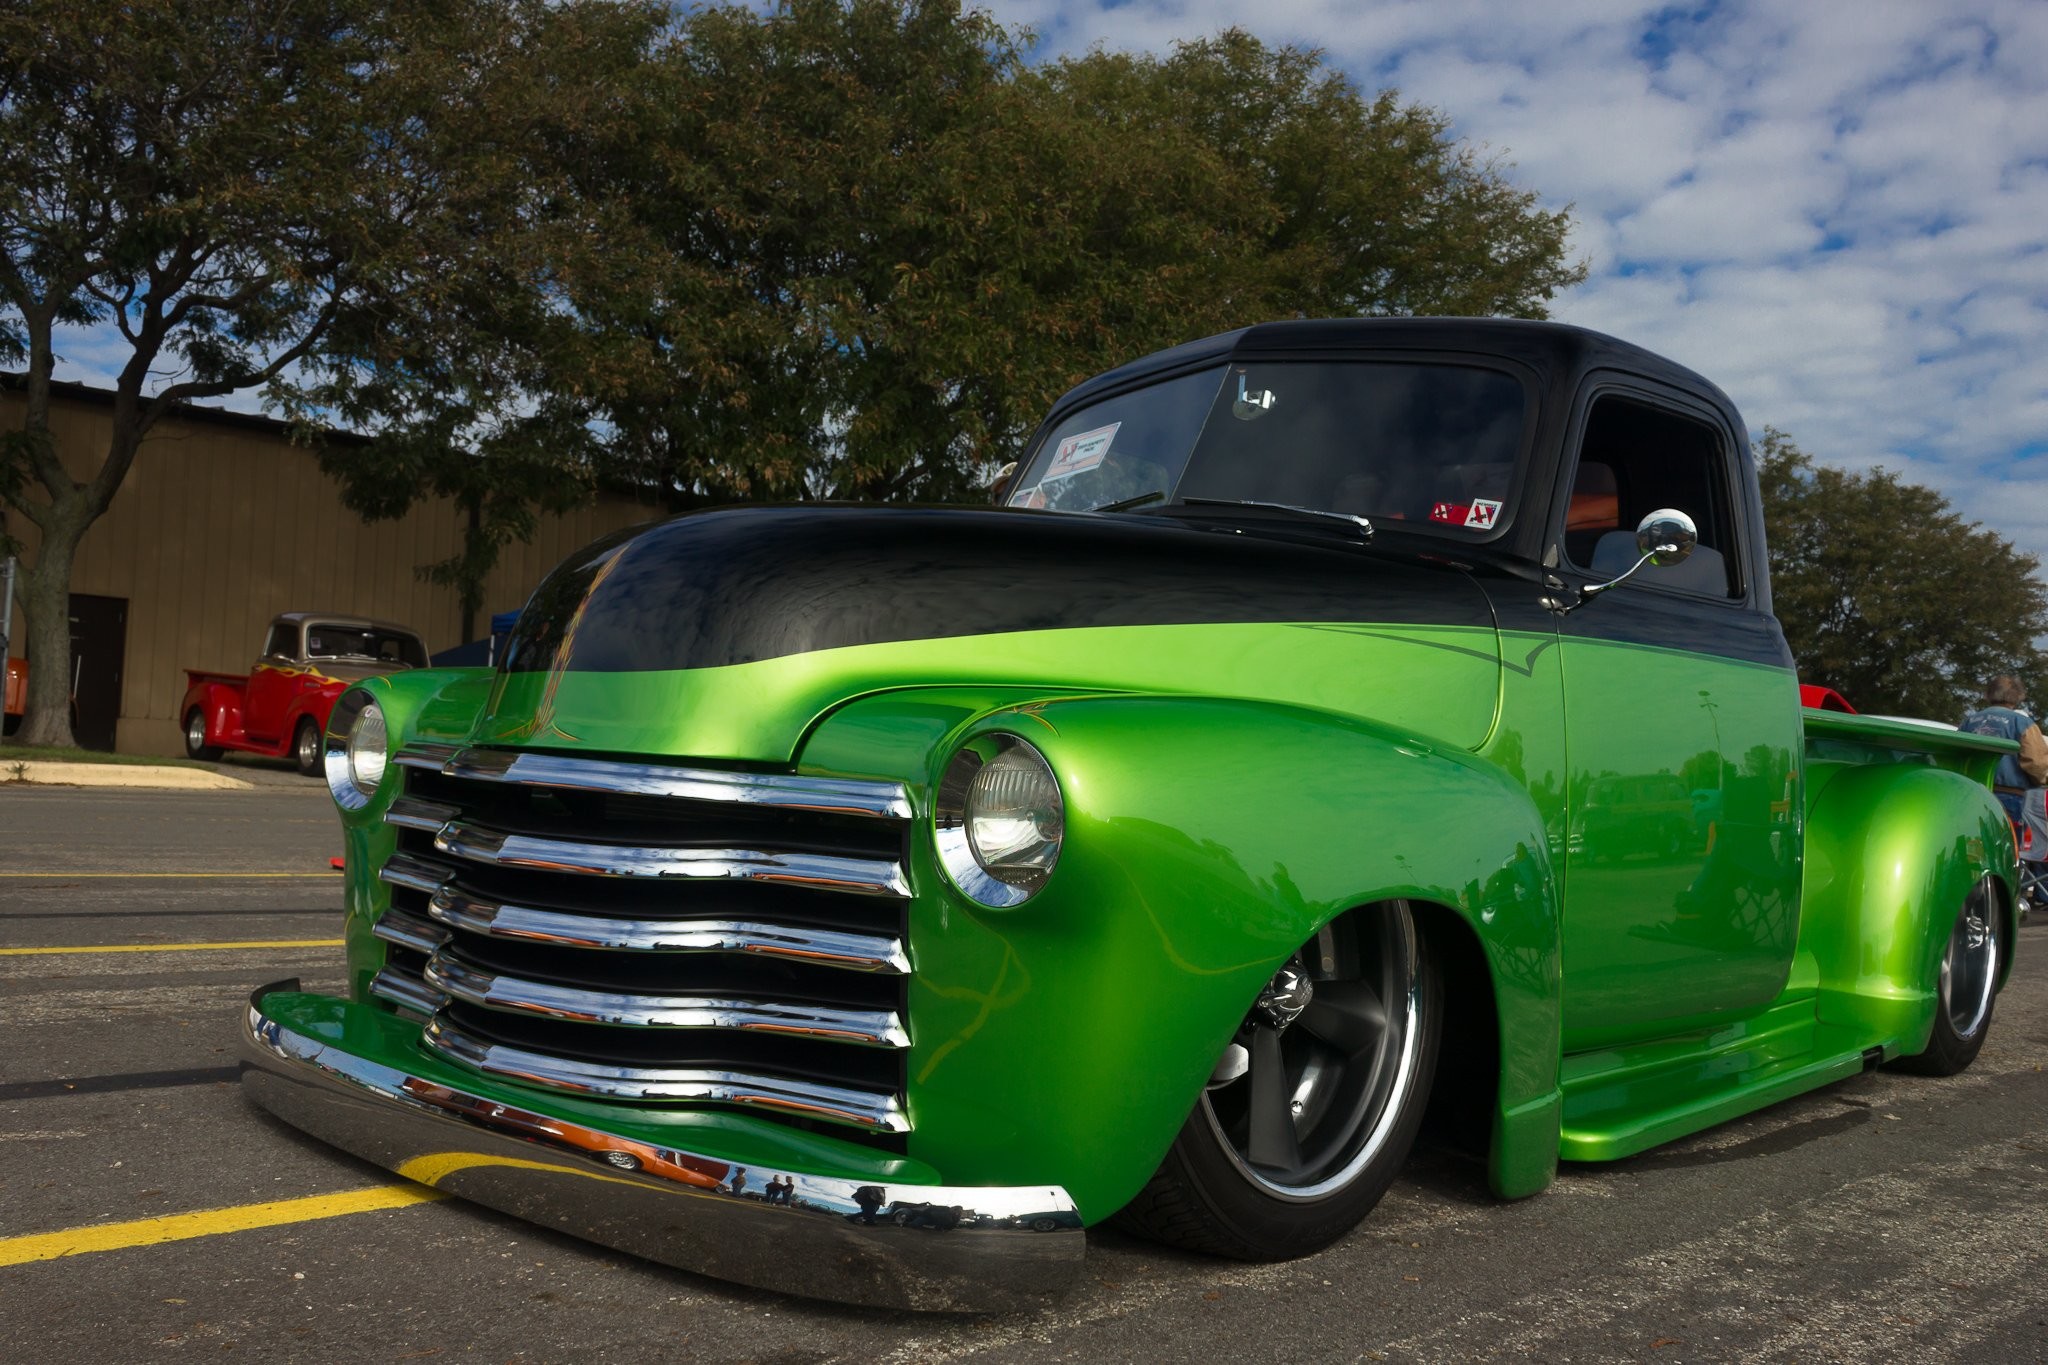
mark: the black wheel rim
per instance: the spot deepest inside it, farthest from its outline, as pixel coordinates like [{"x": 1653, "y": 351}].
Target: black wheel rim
[
  {"x": 1969, "y": 969},
  {"x": 1326, "y": 1087}
]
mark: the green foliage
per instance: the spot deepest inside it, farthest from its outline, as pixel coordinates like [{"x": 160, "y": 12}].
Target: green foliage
[
  {"x": 1890, "y": 597},
  {"x": 330, "y": 202},
  {"x": 843, "y": 248},
  {"x": 877, "y": 245}
]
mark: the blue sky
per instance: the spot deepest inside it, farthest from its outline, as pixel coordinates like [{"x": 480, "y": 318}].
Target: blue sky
[{"x": 1836, "y": 211}]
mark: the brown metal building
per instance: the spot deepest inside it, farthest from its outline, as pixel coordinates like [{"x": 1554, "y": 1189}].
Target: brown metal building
[{"x": 223, "y": 523}]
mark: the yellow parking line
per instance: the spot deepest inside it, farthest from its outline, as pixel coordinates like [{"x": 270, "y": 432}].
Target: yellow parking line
[
  {"x": 180, "y": 947},
  {"x": 176, "y": 1227},
  {"x": 210, "y": 876}
]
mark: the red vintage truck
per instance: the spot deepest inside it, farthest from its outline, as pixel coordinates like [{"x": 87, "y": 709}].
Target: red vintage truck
[{"x": 280, "y": 706}]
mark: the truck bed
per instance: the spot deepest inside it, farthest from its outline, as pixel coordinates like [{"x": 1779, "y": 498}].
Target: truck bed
[{"x": 1840, "y": 737}]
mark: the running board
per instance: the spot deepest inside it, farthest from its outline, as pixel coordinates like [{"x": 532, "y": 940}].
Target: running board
[{"x": 1621, "y": 1101}]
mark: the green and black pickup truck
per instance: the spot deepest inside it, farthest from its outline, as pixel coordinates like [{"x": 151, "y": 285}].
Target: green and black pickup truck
[{"x": 1339, "y": 724}]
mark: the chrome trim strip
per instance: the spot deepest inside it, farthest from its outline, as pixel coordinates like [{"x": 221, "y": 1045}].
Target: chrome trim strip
[
  {"x": 412, "y": 812},
  {"x": 459, "y": 909},
  {"x": 819, "y": 795},
  {"x": 409, "y": 931},
  {"x": 415, "y": 874},
  {"x": 424, "y": 755},
  {"x": 947, "y": 1247},
  {"x": 818, "y": 871},
  {"x": 405, "y": 990},
  {"x": 493, "y": 991},
  {"x": 875, "y": 1111}
]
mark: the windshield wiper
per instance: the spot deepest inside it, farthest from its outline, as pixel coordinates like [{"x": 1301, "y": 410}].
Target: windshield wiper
[
  {"x": 1128, "y": 503},
  {"x": 1357, "y": 524}
]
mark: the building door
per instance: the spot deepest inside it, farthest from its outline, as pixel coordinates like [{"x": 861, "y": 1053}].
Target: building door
[{"x": 99, "y": 647}]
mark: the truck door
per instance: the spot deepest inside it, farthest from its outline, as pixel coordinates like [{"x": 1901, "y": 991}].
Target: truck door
[
  {"x": 1682, "y": 734},
  {"x": 273, "y": 679}
]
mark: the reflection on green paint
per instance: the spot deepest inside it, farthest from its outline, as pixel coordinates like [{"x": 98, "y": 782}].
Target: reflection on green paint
[{"x": 1618, "y": 830}]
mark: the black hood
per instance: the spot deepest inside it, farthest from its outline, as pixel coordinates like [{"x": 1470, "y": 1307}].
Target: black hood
[{"x": 740, "y": 584}]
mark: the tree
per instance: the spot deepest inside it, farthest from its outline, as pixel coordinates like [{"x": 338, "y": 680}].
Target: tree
[
  {"x": 485, "y": 397},
  {"x": 885, "y": 244},
  {"x": 1890, "y": 597},
  {"x": 255, "y": 194}
]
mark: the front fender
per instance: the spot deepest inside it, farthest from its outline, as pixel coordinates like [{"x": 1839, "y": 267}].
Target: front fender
[
  {"x": 437, "y": 704},
  {"x": 1892, "y": 850},
  {"x": 1067, "y": 1039},
  {"x": 315, "y": 702}
]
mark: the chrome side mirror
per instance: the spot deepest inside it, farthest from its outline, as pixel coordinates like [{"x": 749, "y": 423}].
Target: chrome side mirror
[{"x": 1665, "y": 537}]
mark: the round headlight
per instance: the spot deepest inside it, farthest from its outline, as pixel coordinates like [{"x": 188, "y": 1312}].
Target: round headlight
[
  {"x": 999, "y": 820},
  {"x": 367, "y": 741},
  {"x": 358, "y": 744}
]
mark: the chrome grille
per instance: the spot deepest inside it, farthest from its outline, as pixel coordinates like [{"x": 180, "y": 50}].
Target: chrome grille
[{"x": 655, "y": 933}]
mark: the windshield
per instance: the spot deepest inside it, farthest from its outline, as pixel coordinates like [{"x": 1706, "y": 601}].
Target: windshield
[
  {"x": 358, "y": 642},
  {"x": 1393, "y": 441}
]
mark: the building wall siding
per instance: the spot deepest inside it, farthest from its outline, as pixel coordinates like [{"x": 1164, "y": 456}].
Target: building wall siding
[{"x": 220, "y": 526}]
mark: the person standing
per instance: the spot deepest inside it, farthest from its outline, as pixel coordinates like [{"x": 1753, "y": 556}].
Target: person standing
[{"x": 2004, "y": 716}]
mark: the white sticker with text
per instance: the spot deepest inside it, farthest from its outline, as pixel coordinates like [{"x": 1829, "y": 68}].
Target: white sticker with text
[
  {"x": 1081, "y": 452},
  {"x": 1482, "y": 514}
]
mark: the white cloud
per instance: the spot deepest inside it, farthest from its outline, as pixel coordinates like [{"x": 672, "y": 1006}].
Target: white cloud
[{"x": 1835, "y": 209}]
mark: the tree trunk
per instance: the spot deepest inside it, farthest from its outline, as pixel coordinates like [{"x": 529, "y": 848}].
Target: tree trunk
[
  {"x": 470, "y": 592},
  {"x": 46, "y": 591}
]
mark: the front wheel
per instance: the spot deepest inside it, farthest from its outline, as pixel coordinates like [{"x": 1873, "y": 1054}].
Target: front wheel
[
  {"x": 1313, "y": 1108},
  {"x": 1965, "y": 989}
]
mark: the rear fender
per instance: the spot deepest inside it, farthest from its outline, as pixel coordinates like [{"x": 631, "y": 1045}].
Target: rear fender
[
  {"x": 221, "y": 703},
  {"x": 1067, "y": 1039},
  {"x": 1892, "y": 850}
]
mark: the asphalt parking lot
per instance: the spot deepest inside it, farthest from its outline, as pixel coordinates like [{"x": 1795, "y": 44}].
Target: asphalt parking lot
[{"x": 145, "y": 1208}]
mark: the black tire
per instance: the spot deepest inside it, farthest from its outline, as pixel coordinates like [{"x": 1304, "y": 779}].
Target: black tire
[
  {"x": 308, "y": 754},
  {"x": 1966, "y": 989},
  {"x": 1290, "y": 1155},
  {"x": 195, "y": 737}
]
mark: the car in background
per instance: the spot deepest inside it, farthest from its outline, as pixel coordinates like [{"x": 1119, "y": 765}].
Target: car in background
[{"x": 279, "y": 707}]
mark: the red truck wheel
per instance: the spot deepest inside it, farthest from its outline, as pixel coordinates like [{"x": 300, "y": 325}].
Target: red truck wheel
[
  {"x": 306, "y": 747},
  {"x": 195, "y": 737}
]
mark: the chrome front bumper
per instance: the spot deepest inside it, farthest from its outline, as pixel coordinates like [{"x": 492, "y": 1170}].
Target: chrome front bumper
[{"x": 946, "y": 1248}]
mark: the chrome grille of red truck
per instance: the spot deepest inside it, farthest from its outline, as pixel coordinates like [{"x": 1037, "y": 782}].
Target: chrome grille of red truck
[{"x": 655, "y": 933}]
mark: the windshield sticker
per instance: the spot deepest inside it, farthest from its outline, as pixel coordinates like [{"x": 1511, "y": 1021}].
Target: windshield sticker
[
  {"x": 1482, "y": 514},
  {"x": 1079, "y": 453},
  {"x": 1452, "y": 512}
]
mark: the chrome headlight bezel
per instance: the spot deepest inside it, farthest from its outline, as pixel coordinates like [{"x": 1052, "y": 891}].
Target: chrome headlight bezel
[
  {"x": 999, "y": 886},
  {"x": 358, "y": 749}
]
